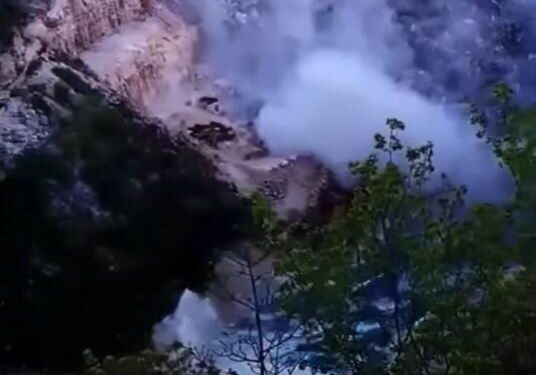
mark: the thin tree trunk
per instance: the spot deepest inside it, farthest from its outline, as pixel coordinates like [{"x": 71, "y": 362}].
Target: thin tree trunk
[{"x": 258, "y": 321}]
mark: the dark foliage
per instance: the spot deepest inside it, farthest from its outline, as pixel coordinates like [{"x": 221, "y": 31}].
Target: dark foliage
[
  {"x": 10, "y": 15},
  {"x": 72, "y": 279}
]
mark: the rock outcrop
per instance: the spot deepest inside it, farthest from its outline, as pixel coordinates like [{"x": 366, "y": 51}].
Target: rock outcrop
[
  {"x": 74, "y": 25},
  {"x": 144, "y": 60},
  {"x": 146, "y": 53}
]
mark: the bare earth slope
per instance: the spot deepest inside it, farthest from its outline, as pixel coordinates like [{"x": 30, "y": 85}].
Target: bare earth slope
[{"x": 146, "y": 53}]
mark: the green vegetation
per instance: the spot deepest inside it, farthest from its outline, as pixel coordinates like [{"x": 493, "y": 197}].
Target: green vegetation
[
  {"x": 101, "y": 229},
  {"x": 460, "y": 279},
  {"x": 107, "y": 223},
  {"x": 460, "y": 284}
]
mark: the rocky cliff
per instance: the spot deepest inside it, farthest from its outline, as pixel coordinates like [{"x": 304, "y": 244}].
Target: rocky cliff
[
  {"x": 146, "y": 53},
  {"x": 73, "y": 26}
]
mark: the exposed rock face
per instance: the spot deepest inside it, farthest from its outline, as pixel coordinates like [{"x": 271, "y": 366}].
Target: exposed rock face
[
  {"x": 145, "y": 59},
  {"x": 293, "y": 185},
  {"x": 74, "y": 25},
  {"x": 146, "y": 53}
]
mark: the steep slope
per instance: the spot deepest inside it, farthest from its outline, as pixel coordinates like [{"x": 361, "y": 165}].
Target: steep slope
[
  {"x": 116, "y": 158},
  {"x": 104, "y": 215},
  {"x": 148, "y": 56}
]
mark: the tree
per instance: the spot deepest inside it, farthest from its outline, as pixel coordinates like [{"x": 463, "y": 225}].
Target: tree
[
  {"x": 265, "y": 338},
  {"x": 445, "y": 268}
]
